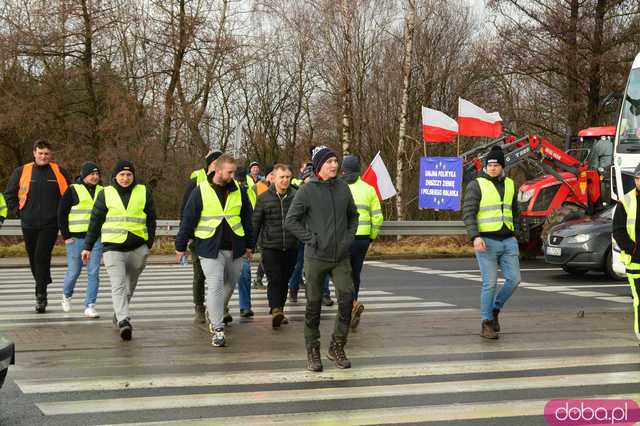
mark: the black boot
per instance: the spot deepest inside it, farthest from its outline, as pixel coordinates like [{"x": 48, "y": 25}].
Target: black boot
[
  {"x": 337, "y": 355},
  {"x": 41, "y": 304},
  {"x": 487, "y": 330},
  {"x": 313, "y": 358},
  {"x": 199, "y": 317},
  {"x": 496, "y": 324},
  {"x": 293, "y": 295}
]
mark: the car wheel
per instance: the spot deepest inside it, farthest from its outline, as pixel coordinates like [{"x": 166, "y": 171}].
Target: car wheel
[
  {"x": 608, "y": 268},
  {"x": 578, "y": 272}
]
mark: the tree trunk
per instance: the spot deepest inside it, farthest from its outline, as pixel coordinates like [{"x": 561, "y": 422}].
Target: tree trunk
[
  {"x": 406, "y": 81},
  {"x": 346, "y": 78},
  {"x": 89, "y": 81},
  {"x": 572, "y": 95},
  {"x": 595, "y": 74}
]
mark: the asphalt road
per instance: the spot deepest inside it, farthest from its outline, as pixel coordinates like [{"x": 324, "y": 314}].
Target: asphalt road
[{"x": 417, "y": 356}]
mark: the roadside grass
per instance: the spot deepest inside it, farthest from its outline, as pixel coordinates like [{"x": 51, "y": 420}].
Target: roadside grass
[{"x": 409, "y": 247}]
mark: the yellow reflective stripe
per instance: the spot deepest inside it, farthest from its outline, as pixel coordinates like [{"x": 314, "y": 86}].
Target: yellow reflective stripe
[
  {"x": 376, "y": 212},
  {"x": 236, "y": 226},
  {"x": 216, "y": 217},
  {"x": 125, "y": 219},
  {"x": 80, "y": 211},
  {"x": 362, "y": 206},
  {"x": 79, "y": 222}
]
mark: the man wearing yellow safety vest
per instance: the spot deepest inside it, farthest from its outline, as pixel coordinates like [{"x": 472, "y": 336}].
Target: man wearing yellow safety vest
[
  {"x": 625, "y": 232},
  {"x": 370, "y": 219},
  {"x": 74, "y": 213},
  {"x": 124, "y": 218},
  {"x": 489, "y": 208},
  {"x": 197, "y": 177},
  {"x": 33, "y": 193},
  {"x": 218, "y": 218},
  {"x": 3, "y": 209}
]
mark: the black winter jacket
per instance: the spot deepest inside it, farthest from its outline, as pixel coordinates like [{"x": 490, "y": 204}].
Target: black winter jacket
[
  {"x": 41, "y": 208},
  {"x": 68, "y": 200},
  {"x": 268, "y": 220},
  {"x": 209, "y": 247},
  {"x": 99, "y": 214},
  {"x": 324, "y": 216},
  {"x": 472, "y": 196}
]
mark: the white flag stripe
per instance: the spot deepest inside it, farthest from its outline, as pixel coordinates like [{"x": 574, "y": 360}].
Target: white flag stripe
[
  {"x": 467, "y": 109},
  {"x": 389, "y": 415},
  {"x": 337, "y": 393},
  {"x": 387, "y": 371},
  {"x": 435, "y": 118}
]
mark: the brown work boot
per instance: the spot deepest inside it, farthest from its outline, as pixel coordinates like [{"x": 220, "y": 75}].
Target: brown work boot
[
  {"x": 313, "y": 357},
  {"x": 337, "y": 355},
  {"x": 199, "y": 317},
  {"x": 487, "y": 330},
  {"x": 276, "y": 317},
  {"x": 357, "y": 310},
  {"x": 293, "y": 295},
  {"x": 496, "y": 324}
]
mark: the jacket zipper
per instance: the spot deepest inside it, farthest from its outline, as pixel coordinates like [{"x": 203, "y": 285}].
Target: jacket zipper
[
  {"x": 335, "y": 226},
  {"x": 282, "y": 218}
]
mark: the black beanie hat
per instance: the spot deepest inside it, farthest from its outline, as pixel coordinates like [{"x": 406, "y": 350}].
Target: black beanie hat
[
  {"x": 87, "y": 168},
  {"x": 123, "y": 165},
  {"x": 350, "y": 164},
  {"x": 320, "y": 155},
  {"x": 268, "y": 170},
  {"x": 212, "y": 156},
  {"x": 495, "y": 156}
]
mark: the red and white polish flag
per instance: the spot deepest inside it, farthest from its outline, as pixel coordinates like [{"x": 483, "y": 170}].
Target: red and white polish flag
[
  {"x": 437, "y": 126},
  {"x": 474, "y": 121},
  {"x": 377, "y": 176}
]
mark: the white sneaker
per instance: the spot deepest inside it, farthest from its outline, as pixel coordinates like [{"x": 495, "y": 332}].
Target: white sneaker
[
  {"x": 91, "y": 312},
  {"x": 66, "y": 304}
]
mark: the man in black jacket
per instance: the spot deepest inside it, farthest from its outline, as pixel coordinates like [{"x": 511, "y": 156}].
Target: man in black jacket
[
  {"x": 124, "y": 217},
  {"x": 33, "y": 193},
  {"x": 324, "y": 216},
  {"x": 218, "y": 218},
  {"x": 74, "y": 214},
  {"x": 626, "y": 232},
  {"x": 279, "y": 246},
  {"x": 490, "y": 204}
]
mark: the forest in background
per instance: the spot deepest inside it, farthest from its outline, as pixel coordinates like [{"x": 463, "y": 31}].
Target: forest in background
[{"x": 162, "y": 82}]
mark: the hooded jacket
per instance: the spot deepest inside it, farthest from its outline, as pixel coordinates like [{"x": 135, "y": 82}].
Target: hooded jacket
[
  {"x": 471, "y": 205},
  {"x": 99, "y": 214},
  {"x": 324, "y": 217}
]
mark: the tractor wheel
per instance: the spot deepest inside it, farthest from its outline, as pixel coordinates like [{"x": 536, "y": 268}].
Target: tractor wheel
[{"x": 561, "y": 215}]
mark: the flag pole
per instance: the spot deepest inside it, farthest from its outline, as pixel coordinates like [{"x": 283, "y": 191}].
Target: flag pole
[
  {"x": 424, "y": 146},
  {"x": 458, "y": 145}
]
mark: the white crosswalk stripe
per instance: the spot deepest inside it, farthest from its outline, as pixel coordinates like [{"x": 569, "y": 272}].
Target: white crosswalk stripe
[{"x": 408, "y": 382}]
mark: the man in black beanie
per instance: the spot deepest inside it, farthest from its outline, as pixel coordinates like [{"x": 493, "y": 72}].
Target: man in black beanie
[
  {"x": 490, "y": 204},
  {"x": 74, "y": 212},
  {"x": 324, "y": 216},
  {"x": 124, "y": 218}
]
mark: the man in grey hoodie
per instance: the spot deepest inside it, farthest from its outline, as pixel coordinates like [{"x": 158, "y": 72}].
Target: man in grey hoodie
[{"x": 324, "y": 216}]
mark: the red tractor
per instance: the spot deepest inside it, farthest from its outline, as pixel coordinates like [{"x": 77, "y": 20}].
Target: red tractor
[{"x": 565, "y": 188}]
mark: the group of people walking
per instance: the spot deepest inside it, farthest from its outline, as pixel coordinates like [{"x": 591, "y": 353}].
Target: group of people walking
[{"x": 319, "y": 225}]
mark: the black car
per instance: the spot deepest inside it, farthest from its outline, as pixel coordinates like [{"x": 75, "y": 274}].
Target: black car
[
  {"x": 582, "y": 245},
  {"x": 7, "y": 357}
]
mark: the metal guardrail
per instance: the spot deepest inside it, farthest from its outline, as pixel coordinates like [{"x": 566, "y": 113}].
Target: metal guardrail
[{"x": 11, "y": 227}]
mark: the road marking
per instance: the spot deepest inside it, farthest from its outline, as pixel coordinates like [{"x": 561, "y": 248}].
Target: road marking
[
  {"x": 388, "y": 415},
  {"x": 617, "y": 299},
  {"x": 419, "y": 369},
  {"x": 585, "y": 293},
  {"x": 336, "y": 393}
]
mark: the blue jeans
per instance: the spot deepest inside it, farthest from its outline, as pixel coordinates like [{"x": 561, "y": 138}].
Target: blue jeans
[
  {"x": 244, "y": 284},
  {"x": 296, "y": 277},
  {"x": 503, "y": 254},
  {"x": 74, "y": 266}
]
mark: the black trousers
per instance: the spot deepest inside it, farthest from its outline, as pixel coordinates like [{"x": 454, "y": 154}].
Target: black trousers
[
  {"x": 358, "y": 251},
  {"x": 278, "y": 265},
  {"x": 39, "y": 244}
]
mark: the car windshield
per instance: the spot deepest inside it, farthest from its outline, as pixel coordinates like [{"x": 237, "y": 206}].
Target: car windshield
[{"x": 629, "y": 124}]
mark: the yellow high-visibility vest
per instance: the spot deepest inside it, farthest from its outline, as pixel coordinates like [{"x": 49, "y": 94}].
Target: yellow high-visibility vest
[
  {"x": 80, "y": 214},
  {"x": 3, "y": 206},
  {"x": 370, "y": 216},
  {"x": 199, "y": 176},
  {"x": 212, "y": 213},
  {"x": 120, "y": 221},
  {"x": 495, "y": 212}
]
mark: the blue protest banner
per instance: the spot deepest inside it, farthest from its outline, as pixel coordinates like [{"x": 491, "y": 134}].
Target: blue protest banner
[{"x": 440, "y": 183}]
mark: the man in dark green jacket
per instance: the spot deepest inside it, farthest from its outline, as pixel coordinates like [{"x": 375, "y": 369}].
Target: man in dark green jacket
[{"x": 324, "y": 216}]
